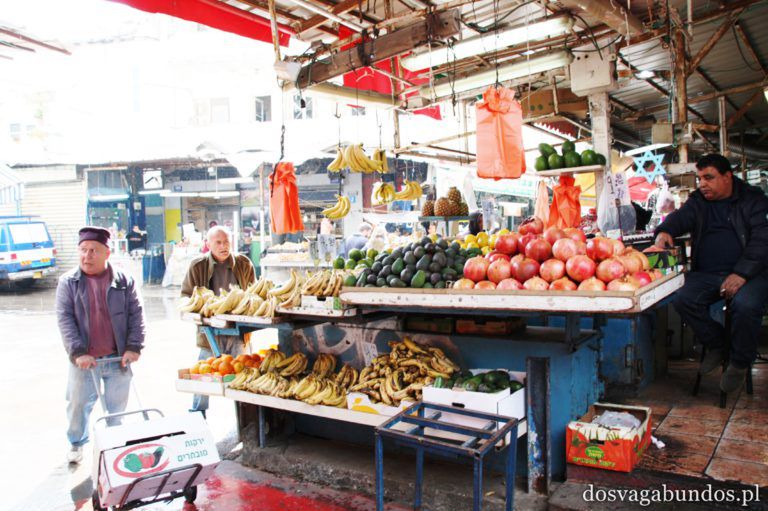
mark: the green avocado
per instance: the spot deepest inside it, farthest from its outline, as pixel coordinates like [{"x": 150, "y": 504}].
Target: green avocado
[
  {"x": 350, "y": 264},
  {"x": 409, "y": 258},
  {"x": 419, "y": 279},
  {"x": 514, "y": 386},
  {"x": 355, "y": 254},
  {"x": 397, "y": 283},
  {"x": 424, "y": 262},
  {"x": 338, "y": 263},
  {"x": 349, "y": 281},
  {"x": 398, "y": 266}
]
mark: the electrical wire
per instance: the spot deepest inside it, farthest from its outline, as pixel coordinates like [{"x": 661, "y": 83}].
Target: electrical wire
[
  {"x": 601, "y": 47},
  {"x": 497, "y": 20},
  {"x": 738, "y": 46}
]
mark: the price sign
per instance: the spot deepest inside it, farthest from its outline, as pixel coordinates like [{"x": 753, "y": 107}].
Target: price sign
[
  {"x": 621, "y": 188},
  {"x": 370, "y": 352},
  {"x": 326, "y": 247},
  {"x": 489, "y": 213},
  {"x": 314, "y": 251}
]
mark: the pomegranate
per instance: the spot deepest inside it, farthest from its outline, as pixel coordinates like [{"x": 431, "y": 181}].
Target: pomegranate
[
  {"x": 646, "y": 265},
  {"x": 552, "y": 269},
  {"x": 641, "y": 278},
  {"x": 565, "y": 248},
  {"x": 618, "y": 246},
  {"x": 516, "y": 258},
  {"x": 599, "y": 248},
  {"x": 499, "y": 270},
  {"x": 575, "y": 234},
  {"x": 539, "y": 250},
  {"x": 536, "y": 284},
  {"x": 552, "y": 234},
  {"x": 656, "y": 273},
  {"x": 631, "y": 262},
  {"x": 564, "y": 284},
  {"x": 580, "y": 267},
  {"x": 485, "y": 284},
  {"x": 531, "y": 225},
  {"x": 524, "y": 269},
  {"x": 476, "y": 268},
  {"x": 523, "y": 241},
  {"x": 622, "y": 284},
  {"x": 581, "y": 248},
  {"x": 509, "y": 284},
  {"x": 463, "y": 284},
  {"x": 592, "y": 284},
  {"x": 495, "y": 256},
  {"x": 610, "y": 269},
  {"x": 507, "y": 244}
]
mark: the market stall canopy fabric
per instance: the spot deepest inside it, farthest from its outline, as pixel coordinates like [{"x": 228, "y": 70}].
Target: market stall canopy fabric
[{"x": 214, "y": 14}]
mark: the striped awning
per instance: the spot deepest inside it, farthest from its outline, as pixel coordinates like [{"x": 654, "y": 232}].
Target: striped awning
[{"x": 11, "y": 187}]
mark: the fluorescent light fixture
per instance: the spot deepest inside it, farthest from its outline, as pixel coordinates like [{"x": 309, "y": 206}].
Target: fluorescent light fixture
[
  {"x": 645, "y": 148},
  {"x": 490, "y": 42},
  {"x": 236, "y": 180},
  {"x": 169, "y": 193},
  {"x": 765, "y": 91},
  {"x": 353, "y": 96},
  {"x": 108, "y": 198},
  {"x": 151, "y": 192},
  {"x": 519, "y": 69},
  {"x": 221, "y": 194}
]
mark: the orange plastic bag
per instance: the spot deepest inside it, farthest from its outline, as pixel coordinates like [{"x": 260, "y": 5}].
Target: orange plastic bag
[
  {"x": 284, "y": 212},
  {"x": 565, "y": 210},
  {"x": 500, "y": 153}
]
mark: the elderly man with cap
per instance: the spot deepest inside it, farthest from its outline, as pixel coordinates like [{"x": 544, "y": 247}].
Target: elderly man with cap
[
  {"x": 100, "y": 315},
  {"x": 218, "y": 269}
]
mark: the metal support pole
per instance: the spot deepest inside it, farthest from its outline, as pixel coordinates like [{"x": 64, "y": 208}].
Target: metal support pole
[
  {"x": 262, "y": 428},
  {"x": 208, "y": 331},
  {"x": 537, "y": 398},
  {"x": 723, "y": 122},
  {"x": 477, "y": 493},
  {"x": 419, "y": 478},
  {"x": 510, "y": 472},
  {"x": 379, "y": 472},
  {"x": 600, "y": 113},
  {"x": 680, "y": 76}
]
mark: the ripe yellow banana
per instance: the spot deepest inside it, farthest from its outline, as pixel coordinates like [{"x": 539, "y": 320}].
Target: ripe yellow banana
[{"x": 338, "y": 163}]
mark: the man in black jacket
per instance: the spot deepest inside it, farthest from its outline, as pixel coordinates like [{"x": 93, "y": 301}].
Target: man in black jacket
[{"x": 728, "y": 222}]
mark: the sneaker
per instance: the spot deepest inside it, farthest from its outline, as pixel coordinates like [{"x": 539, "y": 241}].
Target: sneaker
[
  {"x": 75, "y": 454},
  {"x": 712, "y": 360},
  {"x": 733, "y": 378}
]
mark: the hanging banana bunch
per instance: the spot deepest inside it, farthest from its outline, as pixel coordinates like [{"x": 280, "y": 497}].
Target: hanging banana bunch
[
  {"x": 338, "y": 164},
  {"x": 358, "y": 161},
  {"x": 411, "y": 191},
  {"x": 338, "y": 210},
  {"x": 383, "y": 194},
  {"x": 380, "y": 156}
]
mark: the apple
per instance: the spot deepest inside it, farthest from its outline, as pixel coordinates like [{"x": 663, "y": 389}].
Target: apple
[
  {"x": 485, "y": 284},
  {"x": 565, "y": 248},
  {"x": 507, "y": 244},
  {"x": 552, "y": 234},
  {"x": 476, "y": 268},
  {"x": 610, "y": 269},
  {"x": 575, "y": 234},
  {"x": 463, "y": 284},
  {"x": 509, "y": 284},
  {"x": 564, "y": 284},
  {"x": 599, "y": 248},
  {"x": 622, "y": 284},
  {"x": 552, "y": 270},
  {"x": 524, "y": 269},
  {"x": 536, "y": 284},
  {"x": 580, "y": 267},
  {"x": 499, "y": 270},
  {"x": 592, "y": 284}
]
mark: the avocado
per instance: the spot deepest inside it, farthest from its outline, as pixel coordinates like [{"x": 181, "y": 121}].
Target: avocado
[
  {"x": 355, "y": 254},
  {"x": 398, "y": 266},
  {"x": 449, "y": 274},
  {"x": 381, "y": 257},
  {"x": 430, "y": 248},
  {"x": 370, "y": 285},
  {"x": 397, "y": 253},
  {"x": 449, "y": 262},
  {"x": 389, "y": 260},
  {"x": 377, "y": 267},
  {"x": 397, "y": 283},
  {"x": 372, "y": 278},
  {"x": 459, "y": 267},
  {"x": 440, "y": 285},
  {"x": 440, "y": 259},
  {"x": 386, "y": 270},
  {"x": 450, "y": 252},
  {"x": 427, "y": 285},
  {"x": 406, "y": 275},
  {"x": 467, "y": 375},
  {"x": 362, "y": 279},
  {"x": 411, "y": 267},
  {"x": 546, "y": 149},
  {"x": 424, "y": 262},
  {"x": 350, "y": 264},
  {"x": 390, "y": 279},
  {"x": 455, "y": 246},
  {"x": 419, "y": 252},
  {"x": 441, "y": 243},
  {"x": 484, "y": 387},
  {"x": 418, "y": 280},
  {"x": 491, "y": 378},
  {"x": 349, "y": 281},
  {"x": 435, "y": 267},
  {"x": 514, "y": 386},
  {"x": 470, "y": 385},
  {"x": 502, "y": 385},
  {"x": 459, "y": 382},
  {"x": 338, "y": 263},
  {"x": 426, "y": 240},
  {"x": 409, "y": 258},
  {"x": 435, "y": 279},
  {"x": 381, "y": 282},
  {"x": 541, "y": 163}
]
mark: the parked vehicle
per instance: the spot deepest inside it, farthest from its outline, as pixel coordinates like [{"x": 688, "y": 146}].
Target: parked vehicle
[{"x": 26, "y": 250}]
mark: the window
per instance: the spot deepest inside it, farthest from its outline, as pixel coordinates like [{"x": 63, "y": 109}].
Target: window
[
  {"x": 219, "y": 110},
  {"x": 202, "y": 115},
  {"x": 28, "y": 233},
  {"x": 263, "y": 109},
  {"x": 302, "y": 107},
  {"x": 357, "y": 111}
]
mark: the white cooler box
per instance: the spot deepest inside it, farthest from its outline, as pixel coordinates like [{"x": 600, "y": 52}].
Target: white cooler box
[{"x": 136, "y": 451}]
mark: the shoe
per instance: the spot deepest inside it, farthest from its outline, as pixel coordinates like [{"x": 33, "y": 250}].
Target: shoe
[
  {"x": 733, "y": 378},
  {"x": 711, "y": 361},
  {"x": 75, "y": 454}
]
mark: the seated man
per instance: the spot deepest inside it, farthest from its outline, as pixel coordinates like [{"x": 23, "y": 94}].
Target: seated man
[
  {"x": 728, "y": 223},
  {"x": 217, "y": 269}
]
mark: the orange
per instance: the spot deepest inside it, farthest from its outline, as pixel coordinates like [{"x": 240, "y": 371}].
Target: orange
[
  {"x": 210, "y": 360},
  {"x": 242, "y": 357},
  {"x": 226, "y": 368},
  {"x": 195, "y": 369},
  {"x": 216, "y": 364},
  {"x": 227, "y": 357},
  {"x": 238, "y": 366},
  {"x": 205, "y": 368},
  {"x": 255, "y": 358}
]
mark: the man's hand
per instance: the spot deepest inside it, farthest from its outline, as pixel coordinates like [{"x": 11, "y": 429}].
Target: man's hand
[
  {"x": 731, "y": 285},
  {"x": 85, "y": 362},
  {"x": 129, "y": 357},
  {"x": 664, "y": 240}
]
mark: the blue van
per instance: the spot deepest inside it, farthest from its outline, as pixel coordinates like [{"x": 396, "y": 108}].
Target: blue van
[{"x": 26, "y": 250}]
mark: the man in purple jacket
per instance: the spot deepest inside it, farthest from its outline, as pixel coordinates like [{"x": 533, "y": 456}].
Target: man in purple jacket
[{"x": 100, "y": 315}]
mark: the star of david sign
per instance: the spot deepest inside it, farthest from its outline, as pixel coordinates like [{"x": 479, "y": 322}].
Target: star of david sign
[{"x": 645, "y": 159}]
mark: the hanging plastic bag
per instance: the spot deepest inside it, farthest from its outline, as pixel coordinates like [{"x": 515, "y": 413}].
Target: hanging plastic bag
[
  {"x": 284, "y": 212},
  {"x": 541, "y": 208},
  {"x": 611, "y": 218},
  {"x": 500, "y": 153},
  {"x": 565, "y": 210}
]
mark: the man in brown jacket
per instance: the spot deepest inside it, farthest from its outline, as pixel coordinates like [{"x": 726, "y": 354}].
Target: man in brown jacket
[{"x": 218, "y": 269}]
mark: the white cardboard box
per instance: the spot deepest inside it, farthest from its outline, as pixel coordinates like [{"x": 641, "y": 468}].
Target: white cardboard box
[
  {"x": 200, "y": 383},
  {"x": 171, "y": 443},
  {"x": 362, "y": 403},
  {"x": 501, "y": 403}
]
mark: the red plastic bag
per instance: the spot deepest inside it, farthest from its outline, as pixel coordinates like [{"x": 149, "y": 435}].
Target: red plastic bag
[
  {"x": 565, "y": 210},
  {"x": 284, "y": 212},
  {"x": 500, "y": 153}
]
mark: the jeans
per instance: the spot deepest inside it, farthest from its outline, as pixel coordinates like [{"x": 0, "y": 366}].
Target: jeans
[
  {"x": 81, "y": 396},
  {"x": 747, "y": 308},
  {"x": 228, "y": 344}
]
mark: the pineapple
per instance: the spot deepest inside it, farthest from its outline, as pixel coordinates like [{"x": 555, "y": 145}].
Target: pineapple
[
  {"x": 443, "y": 207},
  {"x": 463, "y": 209},
  {"x": 454, "y": 194},
  {"x": 428, "y": 209},
  {"x": 455, "y": 208}
]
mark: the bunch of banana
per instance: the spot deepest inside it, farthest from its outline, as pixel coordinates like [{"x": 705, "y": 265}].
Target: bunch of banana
[
  {"x": 380, "y": 156},
  {"x": 293, "y": 365},
  {"x": 271, "y": 384},
  {"x": 200, "y": 295},
  {"x": 244, "y": 378},
  {"x": 324, "y": 365},
  {"x": 358, "y": 161},
  {"x": 324, "y": 283},
  {"x": 347, "y": 376},
  {"x": 383, "y": 194},
  {"x": 260, "y": 288},
  {"x": 270, "y": 360},
  {"x": 401, "y": 374},
  {"x": 225, "y": 302},
  {"x": 338, "y": 210},
  {"x": 315, "y": 390},
  {"x": 338, "y": 163},
  {"x": 411, "y": 191},
  {"x": 294, "y": 281}
]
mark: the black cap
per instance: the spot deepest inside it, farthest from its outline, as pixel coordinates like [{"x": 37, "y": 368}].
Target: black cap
[{"x": 93, "y": 233}]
